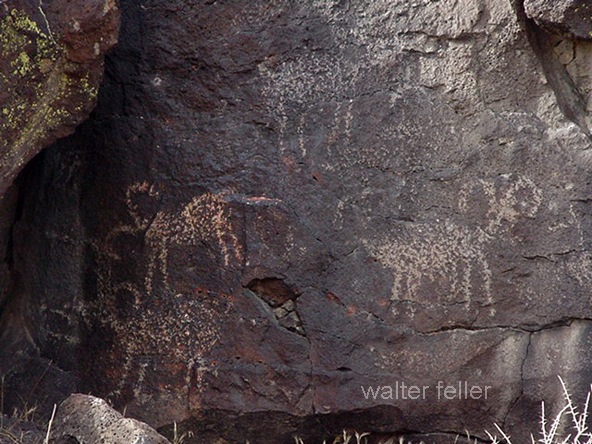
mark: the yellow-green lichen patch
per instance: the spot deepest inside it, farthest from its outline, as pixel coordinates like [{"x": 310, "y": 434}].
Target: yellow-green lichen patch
[
  {"x": 11, "y": 39},
  {"x": 22, "y": 64},
  {"x": 13, "y": 115},
  {"x": 28, "y": 52},
  {"x": 39, "y": 117},
  {"x": 91, "y": 91},
  {"x": 23, "y": 22},
  {"x": 20, "y": 35},
  {"x": 42, "y": 91}
]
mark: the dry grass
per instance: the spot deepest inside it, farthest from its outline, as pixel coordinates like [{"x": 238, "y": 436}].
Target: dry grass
[
  {"x": 11, "y": 427},
  {"x": 11, "y": 430},
  {"x": 180, "y": 438},
  {"x": 21, "y": 427},
  {"x": 345, "y": 438},
  {"x": 568, "y": 427}
]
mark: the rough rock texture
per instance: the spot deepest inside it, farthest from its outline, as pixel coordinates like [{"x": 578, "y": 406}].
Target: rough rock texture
[
  {"x": 51, "y": 64},
  {"x": 19, "y": 431},
  {"x": 33, "y": 383},
  {"x": 51, "y": 59},
  {"x": 277, "y": 202},
  {"x": 568, "y": 17},
  {"x": 83, "y": 419}
]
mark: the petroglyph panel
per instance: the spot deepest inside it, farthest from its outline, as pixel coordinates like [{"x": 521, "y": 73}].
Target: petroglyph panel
[
  {"x": 437, "y": 264},
  {"x": 498, "y": 204},
  {"x": 147, "y": 314},
  {"x": 205, "y": 219},
  {"x": 415, "y": 179},
  {"x": 443, "y": 262}
]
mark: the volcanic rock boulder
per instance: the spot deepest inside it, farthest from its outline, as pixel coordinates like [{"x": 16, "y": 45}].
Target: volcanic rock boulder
[
  {"x": 277, "y": 205},
  {"x": 51, "y": 63},
  {"x": 83, "y": 419}
]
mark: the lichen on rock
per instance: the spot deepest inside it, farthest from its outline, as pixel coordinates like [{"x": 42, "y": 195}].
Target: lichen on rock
[{"x": 51, "y": 60}]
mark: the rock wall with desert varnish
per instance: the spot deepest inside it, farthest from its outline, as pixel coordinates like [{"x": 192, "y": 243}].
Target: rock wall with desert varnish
[
  {"x": 51, "y": 63},
  {"x": 276, "y": 203}
]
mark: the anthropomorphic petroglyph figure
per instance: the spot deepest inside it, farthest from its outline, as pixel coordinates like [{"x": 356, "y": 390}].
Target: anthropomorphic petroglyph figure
[{"x": 500, "y": 202}]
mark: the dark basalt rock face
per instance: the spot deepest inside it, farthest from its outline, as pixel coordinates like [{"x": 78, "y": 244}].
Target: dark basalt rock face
[
  {"x": 277, "y": 203},
  {"x": 51, "y": 57},
  {"x": 51, "y": 65},
  {"x": 569, "y": 17}
]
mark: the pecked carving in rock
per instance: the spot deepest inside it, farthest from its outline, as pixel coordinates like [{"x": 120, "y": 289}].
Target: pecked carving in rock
[{"x": 51, "y": 64}]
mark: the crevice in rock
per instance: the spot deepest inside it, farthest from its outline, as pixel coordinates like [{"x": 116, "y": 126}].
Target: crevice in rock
[
  {"x": 517, "y": 399},
  {"x": 567, "y": 322},
  {"x": 16, "y": 338},
  {"x": 274, "y": 291},
  {"x": 33, "y": 376},
  {"x": 281, "y": 299},
  {"x": 569, "y": 98}
]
